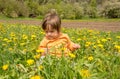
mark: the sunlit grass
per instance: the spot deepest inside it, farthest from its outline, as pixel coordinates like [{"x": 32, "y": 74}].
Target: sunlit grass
[{"x": 98, "y": 57}]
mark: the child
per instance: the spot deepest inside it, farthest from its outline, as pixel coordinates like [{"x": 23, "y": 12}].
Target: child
[{"x": 55, "y": 42}]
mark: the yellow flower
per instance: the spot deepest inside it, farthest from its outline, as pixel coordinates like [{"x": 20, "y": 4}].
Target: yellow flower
[
  {"x": 5, "y": 67},
  {"x": 90, "y": 31},
  {"x": 88, "y": 44},
  {"x": 12, "y": 34},
  {"x": 100, "y": 45},
  {"x": 40, "y": 67},
  {"x": 14, "y": 39},
  {"x": 24, "y": 36},
  {"x": 85, "y": 73},
  {"x": 117, "y": 47},
  {"x": 118, "y": 37},
  {"x": 104, "y": 40},
  {"x": 35, "y": 77},
  {"x": 8, "y": 41},
  {"x": 37, "y": 56},
  {"x": 5, "y": 39},
  {"x": 42, "y": 32},
  {"x": 63, "y": 48},
  {"x": 39, "y": 50},
  {"x": 30, "y": 61},
  {"x": 79, "y": 39},
  {"x": 72, "y": 55},
  {"x": 24, "y": 50},
  {"x": 98, "y": 41},
  {"x": 109, "y": 39},
  {"x": 10, "y": 49},
  {"x": 90, "y": 58},
  {"x": 22, "y": 44},
  {"x": 33, "y": 36},
  {"x": 95, "y": 47}
]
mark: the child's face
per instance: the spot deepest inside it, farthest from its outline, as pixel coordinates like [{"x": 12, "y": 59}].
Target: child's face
[{"x": 51, "y": 33}]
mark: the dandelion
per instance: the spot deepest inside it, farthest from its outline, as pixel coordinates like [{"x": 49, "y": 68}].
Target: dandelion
[
  {"x": 72, "y": 55},
  {"x": 40, "y": 67},
  {"x": 98, "y": 41},
  {"x": 0, "y": 26},
  {"x": 109, "y": 39},
  {"x": 79, "y": 39},
  {"x": 22, "y": 44},
  {"x": 5, "y": 67},
  {"x": 63, "y": 48},
  {"x": 24, "y": 36},
  {"x": 33, "y": 36},
  {"x": 90, "y": 31},
  {"x": 104, "y": 40},
  {"x": 90, "y": 58},
  {"x": 88, "y": 44},
  {"x": 85, "y": 73},
  {"x": 95, "y": 47},
  {"x": 24, "y": 50},
  {"x": 35, "y": 77},
  {"x": 37, "y": 56},
  {"x": 39, "y": 50},
  {"x": 118, "y": 37},
  {"x": 30, "y": 61},
  {"x": 117, "y": 47},
  {"x": 8, "y": 41},
  {"x": 10, "y": 49},
  {"x": 5, "y": 39},
  {"x": 42, "y": 32},
  {"x": 100, "y": 45},
  {"x": 12, "y": 34},
  {"x": 14, "y": 39}
]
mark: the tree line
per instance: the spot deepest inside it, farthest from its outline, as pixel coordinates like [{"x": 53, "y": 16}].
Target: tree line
[{"x": 67, "y": 9}]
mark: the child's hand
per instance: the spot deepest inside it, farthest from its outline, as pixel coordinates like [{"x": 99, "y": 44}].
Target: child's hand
[
  {"x": 45, "y": 51},
  {"x": 76, "y": 46}
]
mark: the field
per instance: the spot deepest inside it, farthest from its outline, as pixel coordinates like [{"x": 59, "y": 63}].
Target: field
[
  {"x": 98, "y": 57},
  {"x": 94, "y": 24}
]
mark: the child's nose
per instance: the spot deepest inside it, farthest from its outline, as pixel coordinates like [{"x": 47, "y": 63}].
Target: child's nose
[{"x": 48, "y": 33}]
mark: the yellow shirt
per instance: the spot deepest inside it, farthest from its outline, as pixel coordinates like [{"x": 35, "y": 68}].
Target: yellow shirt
[{"x": 59, "y": 46}]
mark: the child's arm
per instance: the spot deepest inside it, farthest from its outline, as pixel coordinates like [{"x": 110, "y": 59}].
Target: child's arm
[
  {"x": 72, "y": 46},
  {"x": 45, "y": 51},
  {"x": 76, "y": 46},
  {"x": 43, "y": 47}
]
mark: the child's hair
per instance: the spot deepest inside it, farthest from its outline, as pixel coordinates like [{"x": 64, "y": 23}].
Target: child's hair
[{"x": 53, "y": 20}]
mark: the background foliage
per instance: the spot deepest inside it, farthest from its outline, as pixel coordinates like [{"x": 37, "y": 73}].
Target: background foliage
[{"x": 67, "y": 9}]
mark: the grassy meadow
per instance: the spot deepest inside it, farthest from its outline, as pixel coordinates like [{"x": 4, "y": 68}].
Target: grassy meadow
[{"x": 98, "y": 57}]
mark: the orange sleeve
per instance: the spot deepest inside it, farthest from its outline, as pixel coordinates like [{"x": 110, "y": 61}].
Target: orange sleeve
[
  {"x": 42, "y": 44},
  {"x": 70, "y": 43}
]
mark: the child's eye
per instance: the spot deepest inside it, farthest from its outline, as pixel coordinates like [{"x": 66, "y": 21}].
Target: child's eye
[
  {"x": 46, "y": 31},
  {"x": 51, "y": 31}
]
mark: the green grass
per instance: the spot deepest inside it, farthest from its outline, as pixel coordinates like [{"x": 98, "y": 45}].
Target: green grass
[
  {"x": 98, "y": 57},
  {"x": 68, "y": 20}
]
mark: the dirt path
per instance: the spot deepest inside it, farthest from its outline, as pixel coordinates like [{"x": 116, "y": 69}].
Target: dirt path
[{"x": 102, "y": 26}]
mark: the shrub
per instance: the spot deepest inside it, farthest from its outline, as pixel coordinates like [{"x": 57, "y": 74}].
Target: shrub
[
  {"x": 78, "y": 11},
  {"x": 13, "y": 8},
  {"x": 111, "y": 10},
  {"x": 92, "y": 12}
]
